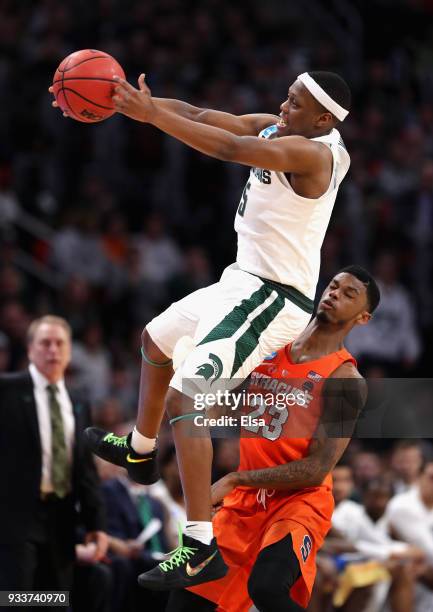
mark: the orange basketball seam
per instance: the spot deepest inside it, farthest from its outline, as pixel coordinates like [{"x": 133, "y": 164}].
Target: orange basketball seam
[
  {"x": 84, "y": 79},
  {"x": 88, "y": 59},
  {"x": 62, "y": 89},
  {"x": 67, "y": 103},
  {"x": 87, "y": 99}
]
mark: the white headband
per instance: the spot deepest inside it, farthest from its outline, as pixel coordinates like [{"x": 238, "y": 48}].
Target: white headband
[{"x": 321, "y": 96}]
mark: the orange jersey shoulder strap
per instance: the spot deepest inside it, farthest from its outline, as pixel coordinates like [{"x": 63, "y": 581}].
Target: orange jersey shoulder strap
[
  {"x": 319, "y": 368},
  {"x": 280, "y": 365}
]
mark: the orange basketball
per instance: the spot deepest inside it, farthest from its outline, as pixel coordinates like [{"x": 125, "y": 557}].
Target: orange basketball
[{"x": 83, "y": 85}]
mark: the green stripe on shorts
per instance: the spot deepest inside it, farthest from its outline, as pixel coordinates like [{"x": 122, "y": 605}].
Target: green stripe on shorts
[
  {"x": 249, "y": 340},
  {"x": 237, "y": 317},
  {"x": 234, "y": 320},
  {"x": 290, "y": 293}
]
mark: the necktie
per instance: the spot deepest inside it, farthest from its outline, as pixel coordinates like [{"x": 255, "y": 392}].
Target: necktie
[
  {"x": 145, "y": 513},
  {"x": 60, "y": 472}
]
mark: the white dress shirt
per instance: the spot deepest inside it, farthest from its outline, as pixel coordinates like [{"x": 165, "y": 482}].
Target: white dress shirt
[
  {"x": 40, "y": 392},
  {"x": 352, "y": 521},
  {"x": 412, "y": 521}
]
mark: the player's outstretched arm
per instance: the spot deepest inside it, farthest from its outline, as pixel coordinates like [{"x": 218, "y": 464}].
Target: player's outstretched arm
[
  {"x": 241, "y": 125},
  {"x": 343, "y": 401},
  {"x": 289, "y": 154}
]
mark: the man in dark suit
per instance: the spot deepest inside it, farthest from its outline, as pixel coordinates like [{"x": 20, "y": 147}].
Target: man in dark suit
[
  {"x": 128, "y": 512},
  {"x": 48, "y": 481},
  {"x": 127, "y": 515}
]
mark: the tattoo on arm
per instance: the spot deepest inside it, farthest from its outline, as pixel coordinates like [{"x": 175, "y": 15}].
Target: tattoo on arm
[
  {"x": 343, "y": 400},
  {"x": 307, "y": 472}
]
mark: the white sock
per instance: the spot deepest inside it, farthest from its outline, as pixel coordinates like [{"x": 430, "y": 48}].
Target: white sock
[
  {"x": 141, "y": 444},
  {"x": 199, "y": 530}
]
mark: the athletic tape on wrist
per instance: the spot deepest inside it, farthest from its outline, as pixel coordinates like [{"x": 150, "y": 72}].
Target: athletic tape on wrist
[{"x": 155, "y": 364}]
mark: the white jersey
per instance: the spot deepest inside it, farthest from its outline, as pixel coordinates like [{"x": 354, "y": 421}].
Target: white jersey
[{"x": 280, "y": 233}]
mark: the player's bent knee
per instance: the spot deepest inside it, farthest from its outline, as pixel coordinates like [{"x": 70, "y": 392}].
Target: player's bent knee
[
  {"x": 262, "y": 586},
  {"x": 270, "y": 594},
  {"x": 150, "y": 349},
  {"x": 274, "y": 573},
  {"x": 176, "y": 404},
  {"x": 258, "y": 591}
]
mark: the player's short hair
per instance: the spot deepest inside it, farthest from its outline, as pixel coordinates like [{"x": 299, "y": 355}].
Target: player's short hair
[
  {"x": 334, "y": 85},
  {"x": 373, "y": 291},
  {"x": 50, "y": 320}
]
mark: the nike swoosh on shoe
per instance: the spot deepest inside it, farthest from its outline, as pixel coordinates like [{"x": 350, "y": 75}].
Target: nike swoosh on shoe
[
  {"x": 193, "y": 571},
  {"x": 129, "y": 459}
]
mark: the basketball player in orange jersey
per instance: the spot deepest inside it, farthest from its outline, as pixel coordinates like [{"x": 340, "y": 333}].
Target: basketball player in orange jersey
[
  {"x": 262, "y": 301},
  {"x": 277, "y": 507}
]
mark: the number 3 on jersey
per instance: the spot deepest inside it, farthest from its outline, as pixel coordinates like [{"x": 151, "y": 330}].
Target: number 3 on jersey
[{"x": 244, "y": 199}]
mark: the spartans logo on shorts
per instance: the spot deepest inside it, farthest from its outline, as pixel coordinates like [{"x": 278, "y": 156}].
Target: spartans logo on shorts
[{"x": 211, "y": 370}]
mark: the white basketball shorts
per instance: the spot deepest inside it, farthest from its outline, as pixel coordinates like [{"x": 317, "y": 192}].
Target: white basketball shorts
[{"x": 235, "y": 323}]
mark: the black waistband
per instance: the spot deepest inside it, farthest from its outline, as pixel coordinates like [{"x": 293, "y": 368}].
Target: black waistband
[{"x": 292, "y": 294}]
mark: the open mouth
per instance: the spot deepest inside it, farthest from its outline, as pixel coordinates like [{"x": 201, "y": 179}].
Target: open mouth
[{"x": 282, "y": 123}]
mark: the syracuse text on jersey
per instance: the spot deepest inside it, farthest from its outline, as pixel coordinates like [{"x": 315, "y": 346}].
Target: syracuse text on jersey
[{"x": 294, "y": 412}]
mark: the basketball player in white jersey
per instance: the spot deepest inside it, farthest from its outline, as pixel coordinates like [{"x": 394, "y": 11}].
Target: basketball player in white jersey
[{"x": 261, "y": 302}]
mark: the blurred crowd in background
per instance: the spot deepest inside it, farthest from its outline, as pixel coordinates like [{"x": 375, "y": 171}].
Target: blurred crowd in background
[
  {"x": 377, "y": 557},
  {"x": 107, "y": 224}
]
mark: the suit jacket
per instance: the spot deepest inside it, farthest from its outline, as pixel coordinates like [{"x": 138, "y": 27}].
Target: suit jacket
[
  {"x": 21, "y": 467},
  {"x": 123, "y": 519},
  {"x": 124, "y": 522}
]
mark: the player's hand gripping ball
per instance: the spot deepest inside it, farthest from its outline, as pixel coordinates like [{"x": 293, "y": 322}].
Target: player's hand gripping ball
[{"x": 83, "y": 85}]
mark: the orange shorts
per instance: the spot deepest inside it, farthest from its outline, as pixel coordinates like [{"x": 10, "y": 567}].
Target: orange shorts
[{"x": 244, "y": 526}]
